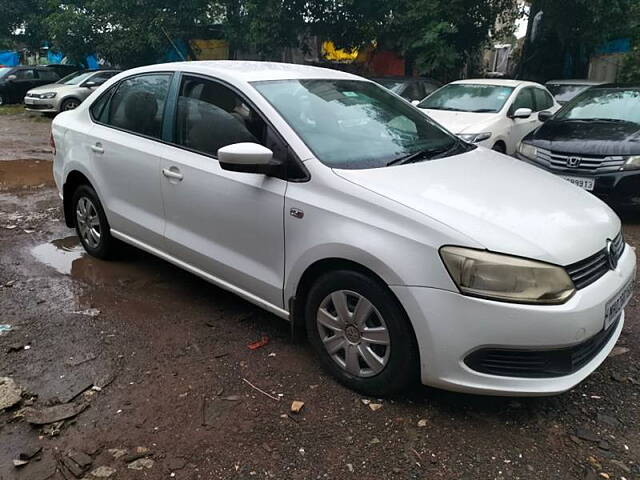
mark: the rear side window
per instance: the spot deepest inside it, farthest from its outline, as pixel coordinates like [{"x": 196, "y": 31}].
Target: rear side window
[
  {"x": 48, "y": 75},
  {"x": 543, "y": 100},
  {"x": 137, "y": 105},
  {"x": 26, "y": 74}
]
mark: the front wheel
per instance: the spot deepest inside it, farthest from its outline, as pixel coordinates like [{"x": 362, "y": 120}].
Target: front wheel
[
  {"x": 69, "y": 104},
  {"x": 361, "y": 334},
  {"x": 91, "y": 223}
]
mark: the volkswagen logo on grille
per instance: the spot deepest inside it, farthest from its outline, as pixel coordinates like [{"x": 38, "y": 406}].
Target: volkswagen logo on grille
[
  {"x": 573, "y": 162},
  {"x": 612, "y": 259}
]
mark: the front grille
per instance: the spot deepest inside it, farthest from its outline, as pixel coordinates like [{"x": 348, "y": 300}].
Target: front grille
[
  {"x": 588, "y": 164},
  {"x": 587, "y": 271},
  {"x": 539, "y": 363}
]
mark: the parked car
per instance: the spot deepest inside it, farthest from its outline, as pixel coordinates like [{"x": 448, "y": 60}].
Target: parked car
[
  {"x": 493, "y": 113},
  {"x": 16, "y": 81},
  {"x": 565, "y": 90},
  {"x": 593, "y": 143},
  {"x": 400, "y": 249},
  {"x": 67, "y": 93},
  {"x": 63, "y": 69},
  {"x": 413, "y": 89}
]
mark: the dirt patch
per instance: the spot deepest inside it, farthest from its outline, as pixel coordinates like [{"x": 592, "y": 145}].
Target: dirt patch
[{"x": 21, "y": 174}]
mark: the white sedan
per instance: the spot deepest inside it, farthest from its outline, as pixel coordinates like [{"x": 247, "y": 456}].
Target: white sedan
[
  {"x": 496, "y": 114},
  {"x": 402, "y": 251}
]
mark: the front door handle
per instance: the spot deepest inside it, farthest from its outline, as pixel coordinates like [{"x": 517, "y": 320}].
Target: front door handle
[
  {"x": 97, "y": 147},
  {"x": 172, "y": 173}
]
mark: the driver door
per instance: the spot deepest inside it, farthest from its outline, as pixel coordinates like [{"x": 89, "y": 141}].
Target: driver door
[{"x": 228, "y": 224}]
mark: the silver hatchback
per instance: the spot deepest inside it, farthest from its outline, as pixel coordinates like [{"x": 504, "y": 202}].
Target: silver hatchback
[{"x": 67, "y": 93}]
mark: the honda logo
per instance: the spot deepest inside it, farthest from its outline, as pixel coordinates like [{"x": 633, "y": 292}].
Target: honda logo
[{"x": 573, "y": 162}]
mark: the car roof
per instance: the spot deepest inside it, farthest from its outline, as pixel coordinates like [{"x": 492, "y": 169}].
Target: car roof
[
  {"x": 497, "y": 82},
  {"x": 574, "y": 81},
  {"x": 251, "y": 71}
]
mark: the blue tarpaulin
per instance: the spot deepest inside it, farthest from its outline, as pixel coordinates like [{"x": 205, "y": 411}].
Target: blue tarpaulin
[
  {"x": 54, "y": 57},
  {"x": 9, "y": 59}
]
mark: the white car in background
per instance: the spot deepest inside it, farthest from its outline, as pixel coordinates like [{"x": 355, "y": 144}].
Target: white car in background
[
  {"x": 496, "y": 114},
  {"x": 403, "y": 251}
]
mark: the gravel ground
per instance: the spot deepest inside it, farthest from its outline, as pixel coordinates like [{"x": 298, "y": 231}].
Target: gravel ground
[{"x": 153, "y": 365}]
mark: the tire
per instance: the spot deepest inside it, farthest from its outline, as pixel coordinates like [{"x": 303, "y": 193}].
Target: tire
[
  {"x": 91, "y": 223},
  {"x": 392, "y": 367},
  {"x": 500, "y": 147},
  {"x": 69, "y": 104}
]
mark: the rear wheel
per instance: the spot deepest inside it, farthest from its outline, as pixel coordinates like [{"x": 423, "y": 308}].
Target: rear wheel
[
  {"x": 360, "y": 333},
  {"x": 69, "y": 104},
  {"x": 91, "y": 223}
]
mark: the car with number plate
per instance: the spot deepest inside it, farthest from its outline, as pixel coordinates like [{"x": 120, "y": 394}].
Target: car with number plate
[
  {"x": 493, "y": 113},
  {"x": 402, "y": 252},
  {"x": 593, "y": 142}
]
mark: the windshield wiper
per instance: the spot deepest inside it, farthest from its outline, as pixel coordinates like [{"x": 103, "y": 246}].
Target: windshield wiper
[
  {"x": 429, "y": 154},
  {"x": 484, "y": 110}
]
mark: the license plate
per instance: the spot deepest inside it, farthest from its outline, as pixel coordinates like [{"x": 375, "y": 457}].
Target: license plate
[
  {"x": 29, "y": 101},
  {"x": 616, "y": 304},
  {"x": 582, "y": 182}
]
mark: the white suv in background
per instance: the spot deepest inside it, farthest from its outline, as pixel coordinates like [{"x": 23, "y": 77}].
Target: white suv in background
[
  {"x": 496, "y": 114},
  {"x": 402, "y": 251}
]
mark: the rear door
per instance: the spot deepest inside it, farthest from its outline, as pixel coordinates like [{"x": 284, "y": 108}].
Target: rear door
[
  {"x": 127, "y": 151},
  {"x": 227, "y": 224}
]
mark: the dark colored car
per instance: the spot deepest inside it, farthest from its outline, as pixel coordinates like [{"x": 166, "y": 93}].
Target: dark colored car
[
  {"x": 566, "y": 90},
  {"x": 62, "y": 69},
  {"x": 410, "y": 88},
  {"x": 593, "y": 142},
  {"x": 15, "y": 82}
]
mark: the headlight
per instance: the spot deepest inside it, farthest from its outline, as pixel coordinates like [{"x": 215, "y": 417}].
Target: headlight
[
  {"x": 48, "y": 95},
  {"x": 475, "y": 137},
  {"x": 632, "y": 163},
  {"x": 527, "y": 151},
  {"x": 505, "y": 278}
]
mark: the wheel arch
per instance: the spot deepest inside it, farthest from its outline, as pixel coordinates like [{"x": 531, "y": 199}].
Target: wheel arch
[{"x": 74, "y": 179}]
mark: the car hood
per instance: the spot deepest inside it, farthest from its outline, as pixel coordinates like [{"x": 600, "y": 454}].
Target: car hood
[
  {"x": 502, "y": 203},
  {"x": 461, "y": 122},
  {"x": 589, "y": 138},
  {"x": 52, "y": 87}
]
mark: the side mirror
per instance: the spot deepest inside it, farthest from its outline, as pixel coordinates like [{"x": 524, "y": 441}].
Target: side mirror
[
  {"x": 89, "y": 84},
  {"x": 415, "y": 102},
  {"x": 248, "y": 157},
  {"x": 545, "y": 115},
  {"x": 522, "y": 113},
  {"x": 11, "y": 78}
]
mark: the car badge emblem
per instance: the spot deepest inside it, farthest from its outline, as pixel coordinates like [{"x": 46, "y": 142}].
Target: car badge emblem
[
  {"x": 573, "y": 162},
  {"x": 611, "y": 256}
]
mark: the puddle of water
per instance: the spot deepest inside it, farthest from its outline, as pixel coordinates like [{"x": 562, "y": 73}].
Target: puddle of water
[
  {"x": 59, "y": 254},
  {"x": 26, "y": 173}
]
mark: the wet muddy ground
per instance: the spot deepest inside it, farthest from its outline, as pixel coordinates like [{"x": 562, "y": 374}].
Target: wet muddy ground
[{"x": 154, "y": 365}]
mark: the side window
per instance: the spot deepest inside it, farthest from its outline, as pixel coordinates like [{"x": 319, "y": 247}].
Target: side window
[
  {"x": 25, "y": 74},
  {"x": 48, "y": 75},
  {"x": 524, "y": 100},
  {"x": 543, "y": 100},
  {"x": 137, "y": 105},
  {"x": 211, "y": 116}
]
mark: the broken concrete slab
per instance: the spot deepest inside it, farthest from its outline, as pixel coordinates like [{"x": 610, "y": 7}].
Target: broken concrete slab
[
  {"x": 141, "y": 464},
  {"x": 102, "y": 472},
  {"x": 10, "y": 393},
  {"x": 53, "y": 414}
]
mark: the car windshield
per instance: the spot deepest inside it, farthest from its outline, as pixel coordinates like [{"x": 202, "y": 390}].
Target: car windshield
[
  {"x": 468, "y": 97},
  {"x": 616, "y": 104},
  {"x": 4, "y": 71},
  {"x": 393, "y": 85},
  {"x": 76, "y": 78},
  {"x": 355, "y": 124},
  {"x": 564, "y": 93}
]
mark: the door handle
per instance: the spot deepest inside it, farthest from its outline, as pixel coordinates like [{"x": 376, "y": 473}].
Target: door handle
[
  {"x": 173, "y": 173},
  {"x": 97, "y": 147}
]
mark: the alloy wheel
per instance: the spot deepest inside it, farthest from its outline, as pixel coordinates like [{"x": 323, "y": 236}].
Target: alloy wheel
[
  {"x": 353, "y": 333},
  {"x": 88, "y": 222},
  {"x": 70, "y": 105}
]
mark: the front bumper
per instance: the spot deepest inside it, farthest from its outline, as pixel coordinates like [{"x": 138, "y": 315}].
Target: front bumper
[
  {"x": 619, "y": 188},
  {"x": 48, "y": 105},
  {"x": 450, "y": 326}
]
